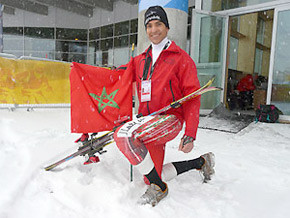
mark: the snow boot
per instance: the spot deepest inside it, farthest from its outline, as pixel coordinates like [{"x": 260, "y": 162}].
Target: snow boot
[
  {"x": 92, "y": 159},
  {"x": 83, "y": 138},
  {"x": 207, "y": 168},
  {"x": 153, "y": 195}
]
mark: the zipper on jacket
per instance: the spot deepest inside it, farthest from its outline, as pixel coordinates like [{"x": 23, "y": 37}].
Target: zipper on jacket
[
  {"x": 173, "y": 98},
  {"x": 148, "y": 107}
]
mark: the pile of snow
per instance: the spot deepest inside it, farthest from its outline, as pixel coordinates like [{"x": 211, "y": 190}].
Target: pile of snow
[{"x": 252, "y": 174}]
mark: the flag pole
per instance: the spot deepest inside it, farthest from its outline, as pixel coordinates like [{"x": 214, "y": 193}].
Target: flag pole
[{"x": 131, "y": 166}]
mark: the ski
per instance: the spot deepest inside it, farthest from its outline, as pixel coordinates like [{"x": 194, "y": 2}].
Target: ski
[
  {"x": 89, "y": 147},
  {"x": 192, "y": 95},
  {"x": 96, "y": 144}
]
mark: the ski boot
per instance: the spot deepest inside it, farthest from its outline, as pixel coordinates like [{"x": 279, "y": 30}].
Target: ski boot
[
  {"x": 153, "y": 195},
  {"x": 92, "y": 159},
  {"x": 207, "y": 168},
  {"x": 83, "y": 138}
]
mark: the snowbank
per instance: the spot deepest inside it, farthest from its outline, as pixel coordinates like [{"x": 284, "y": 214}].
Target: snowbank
[{"x": 252, "y": 174}]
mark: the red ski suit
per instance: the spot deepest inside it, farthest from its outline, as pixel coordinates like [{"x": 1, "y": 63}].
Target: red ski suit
[{"x": 173, "y": 77}]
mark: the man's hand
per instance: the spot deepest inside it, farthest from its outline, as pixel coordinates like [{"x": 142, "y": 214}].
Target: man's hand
[{"x": 186, "y": 144}]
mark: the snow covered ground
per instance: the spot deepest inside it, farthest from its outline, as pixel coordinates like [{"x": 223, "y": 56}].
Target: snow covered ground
[{"x": 252, "y": 174}]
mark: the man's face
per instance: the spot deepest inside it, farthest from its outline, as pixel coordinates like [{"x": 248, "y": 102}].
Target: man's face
[{"x": 156, "y": 31}]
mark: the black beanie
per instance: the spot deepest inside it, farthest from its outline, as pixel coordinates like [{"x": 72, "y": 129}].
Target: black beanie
[{"x": 156, "y": 13}]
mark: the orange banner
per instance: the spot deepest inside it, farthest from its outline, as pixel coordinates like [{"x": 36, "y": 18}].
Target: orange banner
[{"x": 34, "y": 82}]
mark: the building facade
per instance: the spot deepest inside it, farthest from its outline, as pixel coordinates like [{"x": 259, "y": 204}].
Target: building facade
[{"x": 226, "y": 38}]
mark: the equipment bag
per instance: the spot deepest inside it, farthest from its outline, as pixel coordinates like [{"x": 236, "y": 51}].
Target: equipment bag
[{"x": 267, "y": 113}]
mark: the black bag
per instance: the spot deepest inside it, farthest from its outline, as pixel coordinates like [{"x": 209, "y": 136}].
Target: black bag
[{"x": 267, "y": 113}]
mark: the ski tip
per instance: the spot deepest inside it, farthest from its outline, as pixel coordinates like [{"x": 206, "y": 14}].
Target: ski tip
[{"x": 49, "y": 168}]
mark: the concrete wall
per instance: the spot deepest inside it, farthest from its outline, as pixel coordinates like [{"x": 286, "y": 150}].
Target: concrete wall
[
  {"x": 56, "y": 18},
  {"x": 122, "y": 11}
]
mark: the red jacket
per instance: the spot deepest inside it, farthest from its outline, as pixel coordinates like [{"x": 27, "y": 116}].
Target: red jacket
[
  {"x": 173, "y": 77},
  {"x": 246, "y": 84}
]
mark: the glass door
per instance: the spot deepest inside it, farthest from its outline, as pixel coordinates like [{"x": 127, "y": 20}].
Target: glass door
[
  {"x": 279, "y": 81},
  {"x": 208, "y": 52}
]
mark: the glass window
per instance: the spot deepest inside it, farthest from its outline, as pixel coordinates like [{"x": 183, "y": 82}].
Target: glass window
[
  {"x": 260, "y": 30},
  {"x": 208, "y": 48},
  {"x": 281, "y": 72},
  {"x": 258, "y": 61},
  {"x": 106, "y": 44},
  {"x": 122, "y": 28},
  {"x": 61, "y": 56},
  {"x": 61, "y": 46},
  {"x": 94, "y": 46},
  {"x": 71, "y": 34},
  {"x": 121, "y": 56},
  {"x": 71, "y": 51},
  {"x": 234, "y": 44},
  {"x": 79, "y": 47},
  {"x": 70, "y": 46},
  {"x": 13, "y": 40},
  {"x": 98, "y": 58},
  {"x": 39, "y": 32},
  {"x": 134, "y": 26},
  {"x": 77, "y": 57},
  {"x": 37, "y": 44},
  {"x": 71, "y": 57},
  {"x": 121, "y": 41},
  {"x": 39, "y": 39},
  {"x": 13, "y": 31},
  {"x": 133, "y": 39},
  {"x": 105, "y": 57},
  {"x": 94, "y": 33},
  {"x": 107, "y": 31},
  {"x": 210, "y": 42},
  {"x": 91, "y": 59},
  {"x": 230, "y": 4}
]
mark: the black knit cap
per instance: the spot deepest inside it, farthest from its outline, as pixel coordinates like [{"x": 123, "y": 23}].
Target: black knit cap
[{"x": 156, "y": 13}]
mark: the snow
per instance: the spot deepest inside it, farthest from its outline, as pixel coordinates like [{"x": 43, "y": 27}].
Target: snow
[{"x": 252, "y": 174}]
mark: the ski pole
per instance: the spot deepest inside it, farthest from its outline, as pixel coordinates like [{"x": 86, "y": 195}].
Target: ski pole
[{"x": 131, "y": 166}]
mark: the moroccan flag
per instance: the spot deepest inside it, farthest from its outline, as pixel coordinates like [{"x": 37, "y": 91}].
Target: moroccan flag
[{"x": 99, "y": 97}]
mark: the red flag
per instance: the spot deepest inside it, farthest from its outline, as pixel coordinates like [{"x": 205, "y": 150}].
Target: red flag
[{"x": 99, "y": 97}]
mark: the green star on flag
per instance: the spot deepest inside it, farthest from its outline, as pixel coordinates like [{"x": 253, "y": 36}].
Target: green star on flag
[{"x": 105, "y": 100}]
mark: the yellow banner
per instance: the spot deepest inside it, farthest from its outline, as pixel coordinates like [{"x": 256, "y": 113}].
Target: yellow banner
[{"x": 34, "y": 82}]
